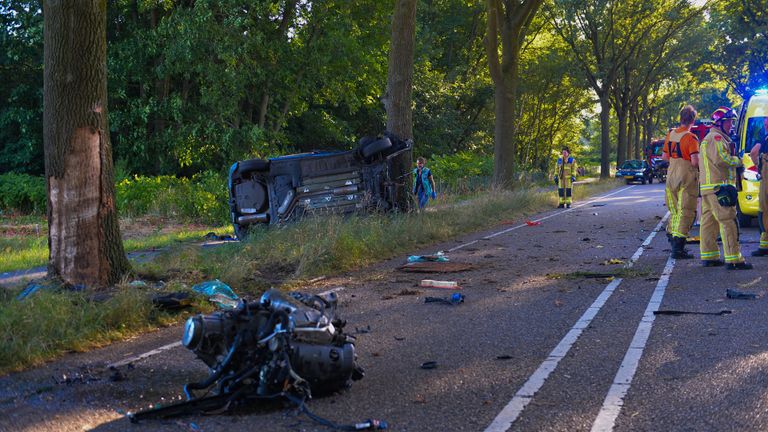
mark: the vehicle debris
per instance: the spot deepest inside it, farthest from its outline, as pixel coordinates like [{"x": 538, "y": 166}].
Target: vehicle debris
[
  {"x": 438, "y": 257},
  {"x": 219, "y": 293},
  {"x": 738, "y": 295},
  {"x": 532, "y": 223},
  {"x": 287, "y": 346},
  {"x": 453, "y": 300},
  {"x": 429, "y": 365},
  {"x": 173, "y": 301},
  {"x": 429, "y": 283},
  {"x": 612, "y": 261},
  {"x": 682, "y": 312}
]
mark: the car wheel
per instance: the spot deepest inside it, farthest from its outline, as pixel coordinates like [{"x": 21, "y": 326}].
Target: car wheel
[
  {"x": 744, "y": 220},
  {"x": 628, "y": 181},
  {"x": 374, "y": 147},
  {"x": 650, "y": 180},
  {"x": 253, "y": 165}
]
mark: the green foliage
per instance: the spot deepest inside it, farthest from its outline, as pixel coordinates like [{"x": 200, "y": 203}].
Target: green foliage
[
  {"x": 202, "y": 198},
  {"x": 461, "y": 171},
  {"x": 23, "y": 193}
]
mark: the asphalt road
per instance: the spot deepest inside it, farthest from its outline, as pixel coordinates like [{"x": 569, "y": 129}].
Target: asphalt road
[{"x": 533, "y": 348}]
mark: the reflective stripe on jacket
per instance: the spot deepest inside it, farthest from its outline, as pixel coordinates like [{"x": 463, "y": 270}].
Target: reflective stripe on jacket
[{"x": 717, "y": 166}]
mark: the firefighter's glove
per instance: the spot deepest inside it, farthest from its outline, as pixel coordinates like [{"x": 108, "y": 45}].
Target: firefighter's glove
[
  {"x": 556, "y": 180},
  {"x": 573, "y": 178}
]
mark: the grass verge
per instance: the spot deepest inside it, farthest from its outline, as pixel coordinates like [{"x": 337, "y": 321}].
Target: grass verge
[
  {"x": 48, "y": 324},
  {"x": 25, "y": 252}
]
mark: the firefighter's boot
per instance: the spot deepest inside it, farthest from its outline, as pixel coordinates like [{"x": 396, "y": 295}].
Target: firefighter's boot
[{"x": 678, "y": 249}]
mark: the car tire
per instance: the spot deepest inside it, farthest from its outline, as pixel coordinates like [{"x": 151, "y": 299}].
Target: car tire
[
  {"x": 650, "y": 180},
  {"x": 628, "y": 181},
  {"x": 373, "y": 148},
  {"x": 744, "y": 220},
  {"x": 253, "y": 165}
]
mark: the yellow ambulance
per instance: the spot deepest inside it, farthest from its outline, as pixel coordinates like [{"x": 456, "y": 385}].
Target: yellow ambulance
[{"x": 749, "y": 129}]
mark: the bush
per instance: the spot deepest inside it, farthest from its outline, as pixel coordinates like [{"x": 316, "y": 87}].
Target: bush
[
  {"x": 461, "y": 172},
  {"x": 203, "y": 198},
  {"x": 23, "y": 193}
]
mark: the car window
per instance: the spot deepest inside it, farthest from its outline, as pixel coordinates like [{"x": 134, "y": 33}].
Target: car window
[
  {"x": 633, "y": 164},
  {"x": 754, "y": 132}
]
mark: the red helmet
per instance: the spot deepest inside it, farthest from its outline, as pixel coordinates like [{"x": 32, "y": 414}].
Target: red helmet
[{"x": 723, "y": 113}]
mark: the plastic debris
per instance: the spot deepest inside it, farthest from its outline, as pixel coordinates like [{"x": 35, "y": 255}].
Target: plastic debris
[
  {"x": 218, "y": 292},
  {"x": 532, "y": 223},
  {"x": 30, "y": 289},
  {"x": 612, "y": 261},
  {"x": 453, "y": 300},
  {"x": 138, "y": 284},
  {"x": 504, "y": 357},
  {"x": 438, "y": 257},
  {"x": 738, "y": 295},
  {"x": 429, "y": 283}
]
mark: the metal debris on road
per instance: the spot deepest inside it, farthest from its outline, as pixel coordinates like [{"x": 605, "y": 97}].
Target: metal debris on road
[
  {"x": 682, "y": 312},
  {"x": 738, "y": 295}
]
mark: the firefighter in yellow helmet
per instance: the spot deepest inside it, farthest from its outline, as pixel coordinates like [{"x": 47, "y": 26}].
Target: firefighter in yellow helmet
[
  {"x": 566, "y": 175},
  {"x": 681, "y": 149},
  {"x": 717, "y": 182}
]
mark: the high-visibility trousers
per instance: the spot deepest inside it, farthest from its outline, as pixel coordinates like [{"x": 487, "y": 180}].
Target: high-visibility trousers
[
  {"x": 682, "y": 193},
  {"x": 762, "y": 217},
  {"x": 716, "y": 218},
  {"x": 564, "y": 185}
]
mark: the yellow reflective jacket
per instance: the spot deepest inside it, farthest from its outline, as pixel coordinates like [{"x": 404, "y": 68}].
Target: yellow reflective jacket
[{"x": 717, "y": 166}]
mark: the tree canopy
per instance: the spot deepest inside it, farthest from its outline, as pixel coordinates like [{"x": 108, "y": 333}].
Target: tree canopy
[{"x": 197, "y": 84}]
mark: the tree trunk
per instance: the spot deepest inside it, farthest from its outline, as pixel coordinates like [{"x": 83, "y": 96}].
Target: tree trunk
[
  {"x": 84, "y": 236},
  {"x": 397, "y": 100},
  {"x": 505, "y": 148},
  {"x": 621, "y": 146},
  {"x": 630, "y": 135},
  {"x": 605, "y": 136}
]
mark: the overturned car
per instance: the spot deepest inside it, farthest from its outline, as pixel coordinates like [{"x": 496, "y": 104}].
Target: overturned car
[{"x": 285, "y": 188}]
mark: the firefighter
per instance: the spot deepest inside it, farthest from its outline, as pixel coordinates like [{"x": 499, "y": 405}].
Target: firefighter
[
  {"x": 759, "y": 155},
  {"x": 566, "y": 175},
  {"x": 717, "y": 182},
  {"x": 681, "y": 150}
]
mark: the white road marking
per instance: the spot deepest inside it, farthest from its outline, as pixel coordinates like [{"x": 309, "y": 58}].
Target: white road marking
[
  {"x": 614, "y": 400},
  {"x": 504, "y": 231},
  {"x": 515, "y": 407},
  {"x": 145, "y": 355}
]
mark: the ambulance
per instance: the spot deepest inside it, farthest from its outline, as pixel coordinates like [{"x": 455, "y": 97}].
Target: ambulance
[{"x": 749, "y": 129}]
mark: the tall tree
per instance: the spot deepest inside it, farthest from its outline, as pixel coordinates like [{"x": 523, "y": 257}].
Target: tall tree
[
  {"x": 397, "y": 100},
  {"x": 84, "y": 236},
  {"x": 508, "y": 24},
  {"x": 600, "y": 34}
]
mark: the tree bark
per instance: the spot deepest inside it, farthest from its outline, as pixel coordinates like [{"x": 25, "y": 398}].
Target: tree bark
[
  {"x": 84, "y": 238},
  {"x": 605, "y": 135},
  {"x": 397, "y": 100}
]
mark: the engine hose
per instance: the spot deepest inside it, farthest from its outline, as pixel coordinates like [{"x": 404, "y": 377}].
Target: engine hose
[
  {"x": 216, "y": 373},
  {"x": 238, "y": 377},
  {"x": 369, "y": 424}
]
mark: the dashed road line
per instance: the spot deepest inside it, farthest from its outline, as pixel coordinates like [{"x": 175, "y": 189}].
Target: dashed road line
[
  {"x": 524, "y": 395},
  {"x": 504, "y": 231},
  {"x": 143, "y": 356},
  {"x": 614, "y": 400}
]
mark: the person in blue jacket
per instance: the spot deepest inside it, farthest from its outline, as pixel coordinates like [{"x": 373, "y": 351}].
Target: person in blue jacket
[{"x": 423, "y": 183}]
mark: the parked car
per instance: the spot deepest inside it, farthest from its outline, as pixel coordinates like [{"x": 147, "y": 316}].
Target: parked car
[
  {"x": 750, "y": 123},
  {"x": 635, "y": 170},
  {"x": 653, "y": 158},
  {"x": 285, "y": 188}
]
